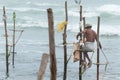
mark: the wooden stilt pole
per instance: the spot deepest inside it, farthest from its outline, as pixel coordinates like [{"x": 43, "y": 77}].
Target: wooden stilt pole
[
  {"x": 98, "y": 56},
  {"x": 14, "y": 16},
  {"x": 84, "y": 39},
  {"x": 6, "y": 38},
  {"x": 80, "y": 68},
  {"x": 84, "y": 28},
  {"x": 53, "y": 67},
  {"x": 43, "y": 65},
  {"x": 65, "y": 46}
]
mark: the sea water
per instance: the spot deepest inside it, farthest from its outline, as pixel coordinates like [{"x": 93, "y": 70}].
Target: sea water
[{"x": 31, "y": 16}]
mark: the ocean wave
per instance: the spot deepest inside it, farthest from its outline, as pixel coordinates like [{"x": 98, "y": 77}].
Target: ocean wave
[
  {"x": 110, "y": 8},
  {"x": 46, "y": 4},
  {"x": 73, "y": 13},
  {"x": 110, "y": 30},
  {"x": 109, "y": 35},
  {"x": 86, "y": 13},
  {"x": 25, "y": 9},
  {"x": 91, "y": 14},
  {"x": 105, "y": 29},
  {"x": 27, "y": 24}
]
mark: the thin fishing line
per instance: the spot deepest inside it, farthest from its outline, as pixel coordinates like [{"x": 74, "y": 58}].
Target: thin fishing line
[
  {"x": 19, "y": 37},
  {"x": 104, "y": 55}
]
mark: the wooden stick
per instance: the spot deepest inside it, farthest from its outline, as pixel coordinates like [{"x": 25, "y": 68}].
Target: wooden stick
[
  {"x": 65, "y": 46},
  {"x": 98, "y": 57},
  {"x": 84, "y": 39},
  {"x": 84, "y": 22},
  {"x": 14, "y": 16},
  {"x": 101, "y": 63},
  {"x": 6, "y": 38},
  {"x": 43, "y": 65},
  {"x": 80, "y": 21},
  {"x": 53, "y": 67},
  {"x": 80, "y": 62}
]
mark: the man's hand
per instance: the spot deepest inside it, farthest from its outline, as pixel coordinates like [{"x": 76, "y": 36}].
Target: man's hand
[{"x": 77, "y": 36}]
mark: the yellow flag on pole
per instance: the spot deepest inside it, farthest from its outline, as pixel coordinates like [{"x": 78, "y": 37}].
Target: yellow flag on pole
[{"x": 61, "y": 26}]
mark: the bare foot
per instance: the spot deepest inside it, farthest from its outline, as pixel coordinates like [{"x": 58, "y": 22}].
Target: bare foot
[{"x": 90, "y": 64}]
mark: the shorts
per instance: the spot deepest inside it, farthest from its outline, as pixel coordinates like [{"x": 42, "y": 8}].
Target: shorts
[{"x": 88, "y": 47}]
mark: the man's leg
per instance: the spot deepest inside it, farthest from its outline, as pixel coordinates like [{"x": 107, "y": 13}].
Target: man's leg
[
  {"x": 86, "y": 55},
  {"x": 90, "y": 62}
]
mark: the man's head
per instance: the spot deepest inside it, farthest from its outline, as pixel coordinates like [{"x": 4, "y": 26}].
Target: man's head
[{"x": 88, "y": 26}]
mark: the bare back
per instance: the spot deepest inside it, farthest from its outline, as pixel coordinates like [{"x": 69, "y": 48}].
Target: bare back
[{"x": 90, "y": 35}]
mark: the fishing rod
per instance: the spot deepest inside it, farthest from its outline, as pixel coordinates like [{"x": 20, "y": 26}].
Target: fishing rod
[{"x": 105, "y": 56}]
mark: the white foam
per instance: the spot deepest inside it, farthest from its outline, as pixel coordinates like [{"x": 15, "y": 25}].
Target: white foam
[
  {"x": 86, "y": 13},
  {"x": 104, "y": 29},
  {"x": 110, "y": 29},
  {"x": 90, "y": 14},
  {"x": 110, "y": 8},
  {"x": 46, "y": 4},
  {"x": 73, "y": 13},
  {"x": 24, "y": 9}
]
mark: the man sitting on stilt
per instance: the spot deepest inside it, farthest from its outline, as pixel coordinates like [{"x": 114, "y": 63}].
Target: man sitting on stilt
[{"x": 88, "y": 46}]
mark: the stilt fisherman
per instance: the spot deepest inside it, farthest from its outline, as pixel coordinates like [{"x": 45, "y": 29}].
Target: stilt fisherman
[{"x": 88, "y": 46}]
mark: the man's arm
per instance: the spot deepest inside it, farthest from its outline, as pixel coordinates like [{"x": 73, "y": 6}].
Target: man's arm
[
  {"x": 97, "y": 40},
  {"x": 78, "y": 35}
]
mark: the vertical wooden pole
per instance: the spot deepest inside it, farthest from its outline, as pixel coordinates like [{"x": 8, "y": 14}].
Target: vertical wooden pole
[
  {"x": 80, "y": 20},
  {"x": 84, "y": 39},
  {"x": 98, "y": 61},
  {"x": 53, "y": 68},
  {"x": 43, "y": 65},
  {"x": 84, "y": 28},
  {"x": 6, "y": 38},
  {"x": 80, "y": 68},
  {"x": 14, "y": 16},
  {"x": 65, "y": 46}
]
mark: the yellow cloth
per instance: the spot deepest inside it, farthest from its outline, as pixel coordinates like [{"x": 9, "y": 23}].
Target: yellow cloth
[{"x": 61, "y": 26}]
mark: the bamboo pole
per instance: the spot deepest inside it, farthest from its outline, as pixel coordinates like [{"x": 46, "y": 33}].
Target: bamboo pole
[
  {"x": 80, "y": 68},
  {"x": 14, "y": 16},
  {"x": 65, "y": 46},
  {"x": 53, "y": 67},
  {"x": 43, "y": 65},
  {"x": 6, "y": 39},
  {"x": 98, "y": 56}
]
